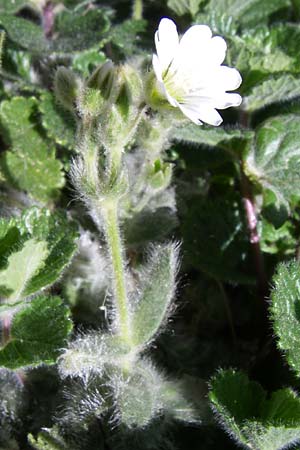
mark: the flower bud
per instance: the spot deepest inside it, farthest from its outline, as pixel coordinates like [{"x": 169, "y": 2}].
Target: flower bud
[{"x": 160, "y": 175}]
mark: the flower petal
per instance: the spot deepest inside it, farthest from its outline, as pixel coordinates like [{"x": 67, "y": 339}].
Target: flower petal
[
  {"x": 191, "y": 47},
  {"x": 229, "y": 77},
  {"x": 157, "y": 68},
  {"x": 201, "y": 113},
  {"x": 227, "y": 101},
  {"x": 166, "y": 41},
  {"x": 217, "y": 49}
]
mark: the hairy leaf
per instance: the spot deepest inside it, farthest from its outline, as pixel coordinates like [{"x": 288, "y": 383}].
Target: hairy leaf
[
  {"x": 212, "y": 137},
  {"x": 24, "y": 33},
  {"x": 272, "y": 90},
  {"x": 38, "y": 333},
  {"x": 30, "y": 163},
  {"x": 157, "y": 290},
  {"x": 34, "y": 250},
  {"x": 250, "y": 417},
  {"x": 285, "y": 311},
  {"x": 274, "y": 158},
  {"x": 59, "y": 125}
]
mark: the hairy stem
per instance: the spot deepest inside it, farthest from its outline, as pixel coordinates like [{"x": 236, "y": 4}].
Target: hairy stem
[
  {"x": 137, "y": 13},
  {"x": 113, "y": 238}
]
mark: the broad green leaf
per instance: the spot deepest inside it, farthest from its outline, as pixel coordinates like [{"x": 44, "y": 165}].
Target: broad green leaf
[
  {"x": 211, "y": 137},
  {"x": 21, "y": 267},
  {"x": 30, "y": 163},
  {"x": 59, "y": 125},
  {"x": 38, "y": 333},
  {"x": 272, "y": 90},
  {"x": 34, "y": 250},
  {"x": 285, "y": 311},
  {"x": 25, "y": 33},
  {"x": 157, "y": 289},
  {"x": 181, "y": 7},
  {"x": 274, "y": 158},
  {"x": 250, "y": 417},
  {"x": 248, "y": 12}
]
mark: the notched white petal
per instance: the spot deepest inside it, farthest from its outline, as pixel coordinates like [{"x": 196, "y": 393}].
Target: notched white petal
[
  {"x": 166, "y": 42},
  {"x": 218, "y": 49},
  {"x": 229, "y": 77}
]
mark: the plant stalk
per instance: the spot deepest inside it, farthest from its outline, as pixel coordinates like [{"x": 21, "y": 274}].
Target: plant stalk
[
  {"x": 137, "y": 13},
  {"x": 114, "y": 243}
]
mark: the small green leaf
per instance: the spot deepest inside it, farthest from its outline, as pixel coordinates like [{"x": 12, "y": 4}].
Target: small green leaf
[
  {"x": 87, "y": 60},
  {"x": 274, "y": 158},
  {"x": 47, "y": 439},
  {"x": 24, "y": 33},
  {"x": 59, "y": 125},
  {"x": 38, "y": 333},
  {"x": 157, "y": 290},
  {"x": 34, "y": 251},
  {"x": 253, "y": 420},
  {"x": 272, "y": 90},
  {"x": 30, "y": 164},
  {"x": 285, "y": 311}
]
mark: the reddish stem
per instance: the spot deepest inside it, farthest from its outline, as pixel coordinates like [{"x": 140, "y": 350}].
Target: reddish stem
[
  {"x": 251, "y": 218},
  {"x": 48, "y": 19}
]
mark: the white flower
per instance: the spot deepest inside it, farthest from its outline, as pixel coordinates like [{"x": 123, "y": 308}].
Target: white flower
[{"x": 190, "y": 75}]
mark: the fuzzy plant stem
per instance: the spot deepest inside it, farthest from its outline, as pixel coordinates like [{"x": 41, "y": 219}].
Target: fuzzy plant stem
[
  {"x": 137, "y": 13},
  {"x": 114, "y": 243}
]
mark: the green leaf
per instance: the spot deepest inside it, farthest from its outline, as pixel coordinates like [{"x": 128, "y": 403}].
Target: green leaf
[
  {"x": 157, "y": 289},
  {"x": 272, "y": 90},
  {"x": 60, "y": 125},
  {"x": 138, "y": 394},
  {"x": 77, "y": 31},
  {"x": 211, "y": 137},
  {"x": 253, "y": 420},
  {"x": 30, "y": 165},
  {"x": 24, "y": 33},
  {"x": 181, "y": 7},
  {"x": 38, "y": 333},
  {"x": 274, "y": 158},
  {"x": 247, "y": 12},
  {"x": 285, "y": 311},
  {"x": 47, "y": 439},
  {"x": 34, "y": 251},
  {"x": 86, "y": 61}
]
